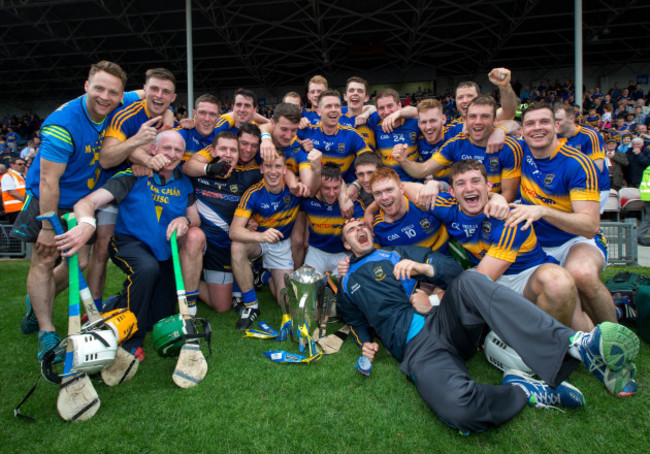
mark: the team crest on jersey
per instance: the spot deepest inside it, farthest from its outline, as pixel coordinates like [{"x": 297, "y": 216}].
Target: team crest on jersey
[
  {"x": 379, "y": 273},
  {"x": 341, "y": 147},
  {"x": 494, "y": 162},
  {"x": 233, "y": 188},
  {"x": 412, "y": 136},
  {"x": 549, "y": 179},
  {"x": 425, "y": 223},
  {"x": 486, "y": 228},
  {"x": 287, "y": 200}
]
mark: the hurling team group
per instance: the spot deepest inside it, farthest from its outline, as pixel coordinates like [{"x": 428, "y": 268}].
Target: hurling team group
[{"x": 387, "y": 198}]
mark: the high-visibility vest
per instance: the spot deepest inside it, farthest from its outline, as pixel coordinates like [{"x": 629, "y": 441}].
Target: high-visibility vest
[
  {"x": 644, "y": 187},
  {"x": 520, "y": 109},
  {"x": 10, "y": 203}
]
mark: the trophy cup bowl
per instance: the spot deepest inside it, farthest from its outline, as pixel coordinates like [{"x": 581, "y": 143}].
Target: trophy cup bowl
[{"x": 304, "y": 289}]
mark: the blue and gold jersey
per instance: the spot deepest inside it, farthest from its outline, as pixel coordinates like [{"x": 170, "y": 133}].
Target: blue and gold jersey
[
  {"x": 346, "y": 119},
  {"x": 277, "y": 211},
  {"x": 406, "y": 133},
  {"x": 456, "y": 126},
  {"x": 500, "y": 166},
  {"x": 194, "y": 141},
  {"x": 426, "y": 150},
  {"x": 416, "y": 228},
  {"x": 365, "y": 130},
  {"x": 11, "y": 138},
  {"x": 126, "y": 123},
  {"x": 566, "y": 176},
  {"x": 481, "y": 236},
  {"x": 340, "y": 148},
  {"x": 148, "y": 205},
  {"x": 127, "y": 120},
  {"x": 592, "y": 121},
  {"x": 295, "y": 157},
  {"x": 325, "y": 223},
  {"x": 70, "y": 137},
  {"x": 311, "y": 115},
  {"x": 226, "y": 123},
  {"x": 591, "y": 143},
  {"x": 217, "y": 199}
]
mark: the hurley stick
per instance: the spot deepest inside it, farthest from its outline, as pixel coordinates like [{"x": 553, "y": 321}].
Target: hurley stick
[
  {"x": 191, "y": 366},
  {"x": 125, "y": 365},
  {"x": 78, "y": 400}
]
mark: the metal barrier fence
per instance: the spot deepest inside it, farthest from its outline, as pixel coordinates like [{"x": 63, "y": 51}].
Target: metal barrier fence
[
  {"x": 10, "y": 247},
  {"x": 622, "y": 248},
  {"x": 621, "y": 242}
]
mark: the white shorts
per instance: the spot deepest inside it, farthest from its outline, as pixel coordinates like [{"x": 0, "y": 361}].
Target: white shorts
[
  {"x": 604, "y": 195},
  {"x": 107, "y": 215},
  {"x": 517, "y": 282},
  {"x": 560, "y": 252},
  {"x": 277, "y": 256},
  {"x": 324, "y": 261},
  {"x": 217, "y": 277}
]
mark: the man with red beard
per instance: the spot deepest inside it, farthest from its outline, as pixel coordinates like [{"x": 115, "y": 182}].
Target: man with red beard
[{"x": 400, "y": 222}]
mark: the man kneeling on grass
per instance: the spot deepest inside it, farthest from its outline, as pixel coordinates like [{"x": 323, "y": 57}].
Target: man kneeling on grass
[
  {"x": 151, "y": 209},
  {"x": 378, "y": 291}
]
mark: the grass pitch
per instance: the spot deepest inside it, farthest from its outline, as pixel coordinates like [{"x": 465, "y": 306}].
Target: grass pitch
[{"x": 247, "y": 403}]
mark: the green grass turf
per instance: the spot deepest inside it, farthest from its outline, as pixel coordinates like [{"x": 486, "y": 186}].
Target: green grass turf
[{"x": 247, "y": 403}]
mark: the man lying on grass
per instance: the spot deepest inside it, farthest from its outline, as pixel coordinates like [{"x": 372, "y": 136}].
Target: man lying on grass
[{"x": 378, "y": 291}]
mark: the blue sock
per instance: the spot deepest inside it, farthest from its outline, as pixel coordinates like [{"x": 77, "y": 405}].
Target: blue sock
[
  {"x": 250, "y": 299},
  {"x": 99, "y": 304},
  {"x": 266, "y": 275},
  {"x": 236, "y": 291},
  {"x": 192, "y": 297}
]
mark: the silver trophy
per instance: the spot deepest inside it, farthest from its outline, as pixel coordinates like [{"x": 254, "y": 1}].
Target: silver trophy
[{"x": 304, "y": 297}]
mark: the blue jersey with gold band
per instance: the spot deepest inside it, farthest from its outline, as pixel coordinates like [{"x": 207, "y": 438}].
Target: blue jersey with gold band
[
  {"x": 295, "y": 157},
  {"x": 426, "y": 150},
  {"x": 70, "y": 137},
  {"x": 481, "y": 236},
  {"x": 500, "y": 166},
  {"x": 148, "y": 205},
  {"x": 416, "y": 228},
  {"x": 365, "y": 130},
  {"x": 341, "y": 148},
  {"x": 405, "y": 133},
  {"x": 325, "y": 223},
  {"x": 456, "y": 127},
  {"x": 590, "y": 142},
  {"x": 226, "y": 123},
  {"x": 311, "y": 115},
  {"x": 217, "y": 199},
  {"x": 194, "y": 141},
  {"x": 270, "y": 211},
  {"x": 592, "y": 121},
  {"x": 564, "y": 177},
  {"x": 127, "y": 120},
  {"x": 126, "y": 123},
  {"x": 346, "y": 119}
]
